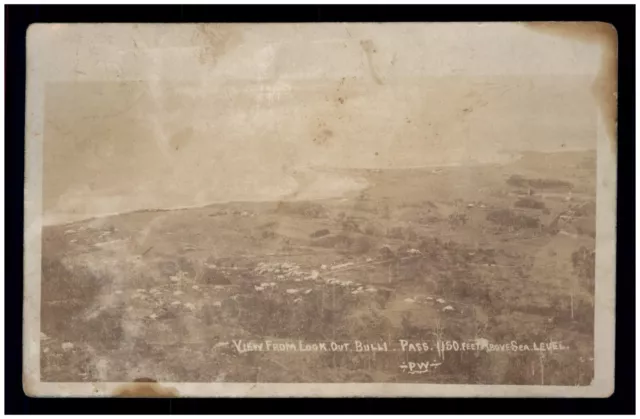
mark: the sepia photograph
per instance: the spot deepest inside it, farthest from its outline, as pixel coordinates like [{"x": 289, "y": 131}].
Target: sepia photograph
[{"x": 320, "y": 209}]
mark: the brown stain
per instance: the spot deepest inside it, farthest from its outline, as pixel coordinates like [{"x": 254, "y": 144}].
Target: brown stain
[
  {"x": 340, "y": 96},
  {"x": 337, "y": 109},
  {"x": 145, "y": 387},
  {"x": 181, "y": 139},
  {"x": 215, "y": 39},
  {"x": 323, "y": 136},
  {"x": 605, "y": 86},
  {"x": 369, "y": 49},
  {"x": 144, "y": 380}
]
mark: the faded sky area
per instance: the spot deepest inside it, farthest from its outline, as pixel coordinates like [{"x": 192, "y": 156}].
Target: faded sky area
[{"x": 164, "y": 116}]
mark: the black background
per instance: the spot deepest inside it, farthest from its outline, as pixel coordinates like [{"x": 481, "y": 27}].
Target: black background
[{"x": 18, "y": 18}]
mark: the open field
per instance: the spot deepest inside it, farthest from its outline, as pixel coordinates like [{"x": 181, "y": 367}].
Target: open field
[{"x": 487, "y": 253}]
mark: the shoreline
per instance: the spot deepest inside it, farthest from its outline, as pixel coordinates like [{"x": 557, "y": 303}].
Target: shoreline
[
  {"x": 312, "y": 184},
  {"x": 306, "y": 190}
]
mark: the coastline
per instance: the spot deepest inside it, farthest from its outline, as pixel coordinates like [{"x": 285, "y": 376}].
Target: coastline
[{"x": 311, "y": 185}]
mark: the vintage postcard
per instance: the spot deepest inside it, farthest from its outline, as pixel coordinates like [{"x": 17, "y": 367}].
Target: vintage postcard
[{"x": 326, "y": 209}]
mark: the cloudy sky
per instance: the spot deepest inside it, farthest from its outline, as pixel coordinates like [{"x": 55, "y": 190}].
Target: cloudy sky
[{"x": 147, "y": 116}]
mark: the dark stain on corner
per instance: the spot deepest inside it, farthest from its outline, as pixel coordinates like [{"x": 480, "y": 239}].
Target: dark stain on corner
[{"x": 605, "y": 87}]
